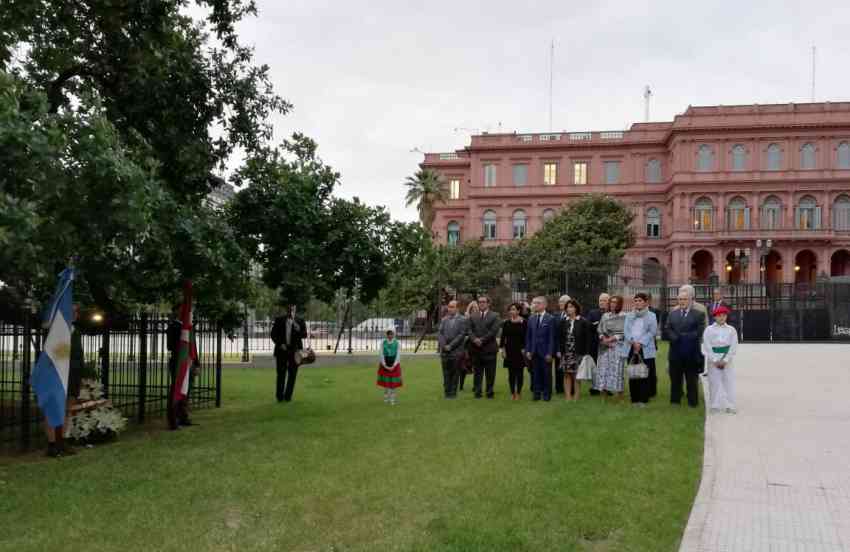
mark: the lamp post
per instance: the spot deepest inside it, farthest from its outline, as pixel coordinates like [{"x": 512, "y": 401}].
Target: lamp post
[
  {"x": 763, "y": 248},
  {"x": 741, "y": 259}
]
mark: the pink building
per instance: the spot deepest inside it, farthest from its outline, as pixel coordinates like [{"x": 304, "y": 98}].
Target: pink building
[{"x": 710, "y": 187}]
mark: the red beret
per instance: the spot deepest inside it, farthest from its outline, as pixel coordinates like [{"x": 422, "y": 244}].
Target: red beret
[{"x": 722, "y": 309}]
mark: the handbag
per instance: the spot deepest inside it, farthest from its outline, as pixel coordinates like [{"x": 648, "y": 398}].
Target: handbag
[
  {"x": 636, "y": 367},
  {"x": 586, "y": 368},
  {"x": 306, "y": 355}
]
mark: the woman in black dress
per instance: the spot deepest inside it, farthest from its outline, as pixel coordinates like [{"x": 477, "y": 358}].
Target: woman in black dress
[{"x": 512, "y": 344}]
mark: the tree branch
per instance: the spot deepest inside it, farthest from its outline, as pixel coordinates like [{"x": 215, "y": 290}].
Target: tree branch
[{"x": 54, "y": 89}]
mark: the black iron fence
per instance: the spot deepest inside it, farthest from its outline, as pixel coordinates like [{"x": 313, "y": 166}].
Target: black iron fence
[
  {"x": 817, "y": 312},
  {"x": 129, "y": 358}
]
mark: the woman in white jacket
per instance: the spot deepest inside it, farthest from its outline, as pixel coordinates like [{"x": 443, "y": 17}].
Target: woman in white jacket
[{"x": 719, "y": 345}]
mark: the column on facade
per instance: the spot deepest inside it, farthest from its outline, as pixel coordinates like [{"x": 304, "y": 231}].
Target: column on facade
[
  {"x": 788, "y": 262},
  {"x": 826, "y": 210}
]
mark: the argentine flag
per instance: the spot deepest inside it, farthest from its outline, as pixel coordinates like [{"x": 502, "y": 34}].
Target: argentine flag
[{"x": 50, "y": 376}]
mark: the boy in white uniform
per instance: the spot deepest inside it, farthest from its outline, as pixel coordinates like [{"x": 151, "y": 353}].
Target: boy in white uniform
[{"x": 719, "y": 345}]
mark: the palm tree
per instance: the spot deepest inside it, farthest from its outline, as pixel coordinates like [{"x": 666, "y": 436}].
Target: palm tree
[{"x": 425, "y": 189}]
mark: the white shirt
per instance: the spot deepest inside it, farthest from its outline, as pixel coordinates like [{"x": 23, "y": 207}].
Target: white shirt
[{"x": 720, "y": 336}]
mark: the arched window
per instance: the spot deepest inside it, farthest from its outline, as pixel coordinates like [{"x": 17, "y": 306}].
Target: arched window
[
  {"x": 841, "y": 213},
  {"x": 808, "y": 214},
  {"x": 738, "y": 214},
  {"x": 771, "y": 214},
  {"x": 807, "y": 156},
  {"x": 520, "y": 224},
  {"x": 774, "y": 157},
  {"x": 705, "y": 158},
  {"x": 653, "y": 170},
  {"x": 453, "y": 233},
  {"x": 844, "y": 155},
  {"x": 739, "y": 157},
  {"x": 548, "y": 214},
  {"x": 653, "y": 223},
  {"x": 489, "y": 225},
  {"x": 703, "y": 214}
]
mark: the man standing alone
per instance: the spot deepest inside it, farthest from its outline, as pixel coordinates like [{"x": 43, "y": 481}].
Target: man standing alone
[
  {"x": 450, "y": 340},
  {"x": 483, "y": 331},
  {"x": 288, "y": 333}
]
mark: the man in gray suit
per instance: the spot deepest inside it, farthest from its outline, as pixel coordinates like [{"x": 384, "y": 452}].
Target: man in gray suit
[
  {"x": 450, "y": 338},
  {"x": 484, "y": 345}
]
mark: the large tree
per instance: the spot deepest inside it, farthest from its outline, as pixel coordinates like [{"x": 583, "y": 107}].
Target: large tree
[
  {"x": 116, "y": 115},
  {"x": 425, "y": 189}
]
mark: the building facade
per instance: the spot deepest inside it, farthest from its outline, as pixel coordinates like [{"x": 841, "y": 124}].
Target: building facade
[{"x": 745, "y": 193}]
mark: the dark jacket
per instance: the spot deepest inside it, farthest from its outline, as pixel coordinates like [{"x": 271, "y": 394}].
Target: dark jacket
[
  {"x": 711, "y": 306},
  {"x": 296, "y": 337},
  {"x": 684, "y": 334},
  {"x": 541, "y": 336},
  {"x": 584, "y": 333},
  {"x": 593, "y": 317},
  {"x": 487, "y": 329}
]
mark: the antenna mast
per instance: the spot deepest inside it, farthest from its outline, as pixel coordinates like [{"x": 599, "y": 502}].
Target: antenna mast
[
  {"x": 814, "y": 51},
  {"x": 647, "y": 94},
  {"x": 551, "y": 79}
]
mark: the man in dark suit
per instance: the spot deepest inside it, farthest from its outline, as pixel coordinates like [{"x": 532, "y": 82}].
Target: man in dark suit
[
  {"x": 561, "y": 317},
  {"x": 288, "y": 333},
  {"x": 684, "y": 331},
  {"x": 719, "y": 301},
  {"x": 450, "y": 339},
  {"x": 484, "y": 346},
  {"x": 540, "y": 348}
]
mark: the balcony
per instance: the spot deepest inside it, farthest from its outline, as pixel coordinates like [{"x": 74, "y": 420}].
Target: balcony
[
  {"x": 596, "y": 138},
  {"x": 446, "y": 158}
]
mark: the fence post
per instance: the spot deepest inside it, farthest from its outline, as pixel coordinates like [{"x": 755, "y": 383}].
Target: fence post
[
  {"x": 246, "y": 356},
  {"x": 104, "y": 359},
  {"x": 218, "y": 337},
  {"x": 26, "y": 368},
  {"x": 350, "y": 350},
  {"x": 143, "y": 365}
]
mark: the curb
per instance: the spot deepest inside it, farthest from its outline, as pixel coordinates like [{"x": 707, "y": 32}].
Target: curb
[{"x": 698, "y": 518}]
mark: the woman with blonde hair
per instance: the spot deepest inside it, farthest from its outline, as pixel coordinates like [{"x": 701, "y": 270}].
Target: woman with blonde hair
[{"x": 471, "y": 310}]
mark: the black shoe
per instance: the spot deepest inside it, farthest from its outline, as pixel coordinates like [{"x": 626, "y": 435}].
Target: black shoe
[
  {"x": 53, "y": 451},
  {"x": 547, "y": 399},
  {"x": 491, "y": 396},
  {"x": 188, "y": 423},
  {"x": 536, "y": 397},
  {"x": 478, "y": 395}
]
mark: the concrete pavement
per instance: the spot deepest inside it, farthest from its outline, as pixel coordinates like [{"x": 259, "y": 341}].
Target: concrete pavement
[{"x": 776, "y": 476}]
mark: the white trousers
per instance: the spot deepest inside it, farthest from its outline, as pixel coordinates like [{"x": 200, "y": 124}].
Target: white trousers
[{"x": 721, "y": 386}]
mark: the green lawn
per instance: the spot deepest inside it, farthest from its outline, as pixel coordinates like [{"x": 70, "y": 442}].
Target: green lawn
[{"x": 339, "y": 470}]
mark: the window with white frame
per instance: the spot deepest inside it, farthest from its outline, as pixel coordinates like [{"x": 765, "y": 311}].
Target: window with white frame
[
  {"x": 738, "y": 215},
  {"x": 454, "y": 188},
  {"x": 808, "y": 214},
  {"x": 807, "y": 156},
  {"x": 653, "y": 170},
  {"x": 771, "y": 214},
  {"x": 774, "y": 157},
  {"x": 739, "y": 157},
  {"x": 841, "y": 213},
  {"x": 703, "y": 214},
  {"x": 580, "y": 172},
  {"x": 453, "y": 233},
  {"x": 520, "y": 224},
  {"x": 612, "y": 172},
  {"x": 550, "y": 174},
  {"x": 489, "y": 175},
  {"x": 520, "y": 173},
  {"x": 653, "y": 223},
  {"x": 489, "y": 225},
  {"x": 844, "y": 155},
  {"x": 705, "y": 158}
]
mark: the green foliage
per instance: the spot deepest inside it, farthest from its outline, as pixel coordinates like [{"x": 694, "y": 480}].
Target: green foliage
[
  {"x": 113, "y": 115},
  {"x": 425, "y": 189}
]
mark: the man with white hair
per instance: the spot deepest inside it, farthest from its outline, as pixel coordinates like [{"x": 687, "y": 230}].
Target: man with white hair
[
  {"x": 692, "y": 294},
  {"x": 540, "y": 348},
  {"x": 684, "y": 329},
  {"x": 562, "y": 319}
]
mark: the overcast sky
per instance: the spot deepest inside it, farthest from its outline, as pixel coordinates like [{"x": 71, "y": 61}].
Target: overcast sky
[{"x": 371, "y": 81}]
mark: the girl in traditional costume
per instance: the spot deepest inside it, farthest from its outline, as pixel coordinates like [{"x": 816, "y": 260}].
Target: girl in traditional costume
[
  {"x": 719, "y": 345},
  {"x": 389, "y": 368}
]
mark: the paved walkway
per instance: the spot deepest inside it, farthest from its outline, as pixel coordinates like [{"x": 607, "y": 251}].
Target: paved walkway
[{"x": 776, "y": 477}]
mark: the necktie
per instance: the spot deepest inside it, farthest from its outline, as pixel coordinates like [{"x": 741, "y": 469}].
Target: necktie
[{"x": 539, "y": 320}]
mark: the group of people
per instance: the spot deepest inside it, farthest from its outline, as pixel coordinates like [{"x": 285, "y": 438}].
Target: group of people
[{"x": 604, "y": 347}]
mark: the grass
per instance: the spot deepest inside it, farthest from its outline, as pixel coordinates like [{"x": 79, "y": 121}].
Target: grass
[{"x": 338, "y": 470}]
